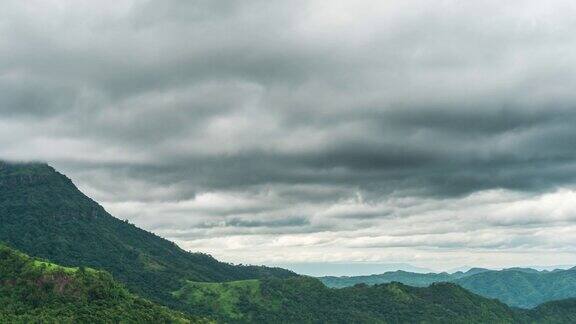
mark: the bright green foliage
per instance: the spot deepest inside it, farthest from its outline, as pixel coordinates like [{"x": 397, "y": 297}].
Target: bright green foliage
[
  {"x": 34, "y": 291},
  {"x": 223, "y": 299},
  {"x": 43, "y": 214}
]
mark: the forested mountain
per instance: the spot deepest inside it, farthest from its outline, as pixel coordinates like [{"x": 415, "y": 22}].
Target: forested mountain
[
  {"x": 522, "y": 287},
  {"x": 405, "y": 277},
  {"x": 37, "y": 291},
  {"x": 518, "y": 287},
  {"x": 307, "y": 300},
  {"x": 561, "y": 311},
  {"x": 43, "y": 214}
]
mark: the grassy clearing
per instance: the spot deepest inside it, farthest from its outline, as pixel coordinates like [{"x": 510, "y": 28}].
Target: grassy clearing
[{"x": 222, "y": 298}]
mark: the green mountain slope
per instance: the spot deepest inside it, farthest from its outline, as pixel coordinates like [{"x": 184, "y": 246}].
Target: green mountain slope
[
  {"x": 43, "y": 214},
  {"x": 307, "y": 300},
  {"x": 36, "y": 291},
  {"x": 561, "y": 311},
  {"x": 517, "y": 287},
  {"x": 521, "y": 288}
]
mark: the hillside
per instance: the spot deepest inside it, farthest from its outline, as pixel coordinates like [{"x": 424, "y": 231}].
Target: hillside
[
  {"x": 521, "y": 288},
  {"x": 562, "y": 311},
  {"x": 518, "y": 287},
  {"x": 43, "y": 214},
  {"x": 37, "y": 291},
  {"x": 307, "y": 300},
  {"x": 407, "y": 278}
]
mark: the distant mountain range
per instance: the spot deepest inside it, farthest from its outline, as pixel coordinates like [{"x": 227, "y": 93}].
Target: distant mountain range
[
  {"x": 319, "y": 269},
  {"x": 518, "y": 287},
  {"x": 44, "y": 215}
]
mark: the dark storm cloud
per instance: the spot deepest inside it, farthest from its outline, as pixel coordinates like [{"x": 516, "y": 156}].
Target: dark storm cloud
[{"x": 222, "y": 112}]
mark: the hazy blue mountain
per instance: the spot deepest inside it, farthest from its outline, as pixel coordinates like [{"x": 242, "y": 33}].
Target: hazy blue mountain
[
  {"x": 518, "y": 287},
  {"x": 405, "y": 277},
  {"x": 408, "y": 278},
  {"x": 318, "y": 269}
]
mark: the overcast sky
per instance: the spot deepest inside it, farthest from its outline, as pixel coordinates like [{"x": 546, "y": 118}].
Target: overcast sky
[{"x": 434, "y": 133}]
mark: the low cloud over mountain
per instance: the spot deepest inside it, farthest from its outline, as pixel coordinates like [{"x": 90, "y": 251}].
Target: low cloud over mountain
[{"x": 434, "y": 133}]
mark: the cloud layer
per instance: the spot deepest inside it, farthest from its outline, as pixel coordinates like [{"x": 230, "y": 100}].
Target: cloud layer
[{"x": 438, "y": 134}]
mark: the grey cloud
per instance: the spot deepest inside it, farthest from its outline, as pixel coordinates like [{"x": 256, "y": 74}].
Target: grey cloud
[{"x": 303, "y": 103}]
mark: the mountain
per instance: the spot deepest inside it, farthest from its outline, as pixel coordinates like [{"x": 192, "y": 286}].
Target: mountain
[
  {"x": 517, "y": 287},
  {"x": 37, "y": 291},
  {"x": 319, "y": 269},
  {"x": 525, "y": 288},
  {"x": 43, "y": 214},
  {"x": 561, "y": 311},
  {"x": 407, "y": 278},
  {"x": 307, "y": 300}
]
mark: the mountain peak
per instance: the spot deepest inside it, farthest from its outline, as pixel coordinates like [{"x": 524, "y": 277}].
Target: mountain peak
[
  {"x": 9, "y": 168},
  {"x": 44, "y": 214}
]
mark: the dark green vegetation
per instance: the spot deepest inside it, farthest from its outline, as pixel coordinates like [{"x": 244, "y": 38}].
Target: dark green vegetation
[
  {"x": 524, "y": 288},
  {"x": 37, "y": 291},
  {"x": 307, "y": 300},
  {"x": 518, "y": 287},
  {"x": 562, "y": 311},
  {"x": 43, "y": 214}
]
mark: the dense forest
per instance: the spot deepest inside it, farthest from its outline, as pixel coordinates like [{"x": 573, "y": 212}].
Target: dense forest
[
  {"x": 37, "y": 291},
  {"x": 45, "y": 216},
  {"x": 518, "y": 287},
  {"x": 307, "y": 300},
  {"x": 526, "y": 288}
]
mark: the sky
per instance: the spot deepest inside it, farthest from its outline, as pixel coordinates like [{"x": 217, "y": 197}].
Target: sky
[{"x": 438, "y": 134}]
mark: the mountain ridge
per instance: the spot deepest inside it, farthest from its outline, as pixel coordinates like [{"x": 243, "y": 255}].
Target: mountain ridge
[
  {"x": 45, "y": 215},
  {"x": 517, "y": 287}
]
